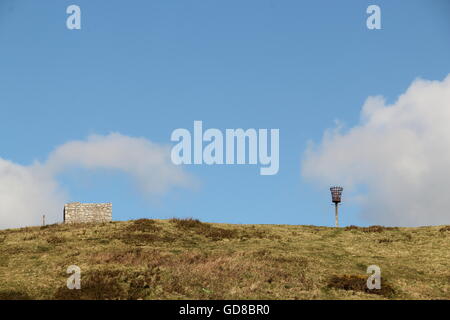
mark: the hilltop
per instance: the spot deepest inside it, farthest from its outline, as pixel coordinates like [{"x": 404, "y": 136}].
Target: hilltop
[{"x": 189, "y": 259}]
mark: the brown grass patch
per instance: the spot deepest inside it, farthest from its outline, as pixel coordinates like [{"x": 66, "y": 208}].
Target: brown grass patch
[
  {"x": 56, "y": 240},
  {"x": 370, "y": 229},
  {"x": 31, "y": 237},
  {"x": 13, "y": 295},
  {"x": 143, "y": 239},
  {"x": 212, "y": 275},
  {"x": 214, "y": 233},
  {"x": 111, "y": 285},
  {"x": 358, "y": 283},
  {"x": 260, "y": 234},
  {"x": 143, "y": 232},
  {"x": 188, "y": 223},
  {"x": 444, "y": 228},
  {"x": 135, "y": 256},
  {"x": 49, "y": 226},
  {"x": 221, "y": 276},
  {"x": 143, "y": 225}
]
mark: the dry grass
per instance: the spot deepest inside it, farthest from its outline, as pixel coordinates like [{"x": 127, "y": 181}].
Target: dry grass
[
  {"x": 55, "y": 240},
  {"x": 143, "y": 225},
  {"x": 189, "y": 259},
  {"x": 200, "y": 228},
  {"x": 370, "y": 229},
  {"x": 110, "y": 284},
  {"x": 13, "y": 295},
  {"x": 359, "y": 283}
]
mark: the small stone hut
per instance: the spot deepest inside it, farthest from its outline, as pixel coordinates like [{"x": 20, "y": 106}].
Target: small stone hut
[{"x": 76, "y": 212}]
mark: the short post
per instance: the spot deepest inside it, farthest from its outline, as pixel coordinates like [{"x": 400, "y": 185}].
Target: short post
[
  {"x": 43, "y": 220},
  {"x": 336, "y": 193}
]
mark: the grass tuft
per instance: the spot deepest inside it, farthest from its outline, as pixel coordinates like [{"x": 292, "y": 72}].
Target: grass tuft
[
  {"x": 143, "y": 225},
  {"x": 204, "y": 229},
  {"x": 370, "y": 229},
  {"x": 13, "y": 295}
]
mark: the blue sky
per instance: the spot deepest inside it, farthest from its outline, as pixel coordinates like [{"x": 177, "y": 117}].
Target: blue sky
[{"x": 145, "y": 68}]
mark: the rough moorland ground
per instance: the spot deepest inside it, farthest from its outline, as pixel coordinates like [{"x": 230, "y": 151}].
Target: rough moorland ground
[{"x": 188, "y": 259}]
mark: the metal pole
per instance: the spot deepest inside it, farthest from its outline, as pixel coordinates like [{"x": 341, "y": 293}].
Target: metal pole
[{"x": 336, "y": 214}]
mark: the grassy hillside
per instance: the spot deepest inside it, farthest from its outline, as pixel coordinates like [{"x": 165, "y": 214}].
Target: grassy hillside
[{"x": 188, "y": 259}]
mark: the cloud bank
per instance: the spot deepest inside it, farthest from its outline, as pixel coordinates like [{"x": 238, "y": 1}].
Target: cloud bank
[
  {"x": 28, "y": 192},
  {"x": 398, "y": 154}
]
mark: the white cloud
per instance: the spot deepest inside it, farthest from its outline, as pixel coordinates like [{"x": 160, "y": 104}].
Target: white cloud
[
  {"x": 28, "y": 192},
  {"x": 148, "y": 163},
  {"x": 399, "y": 154}
]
